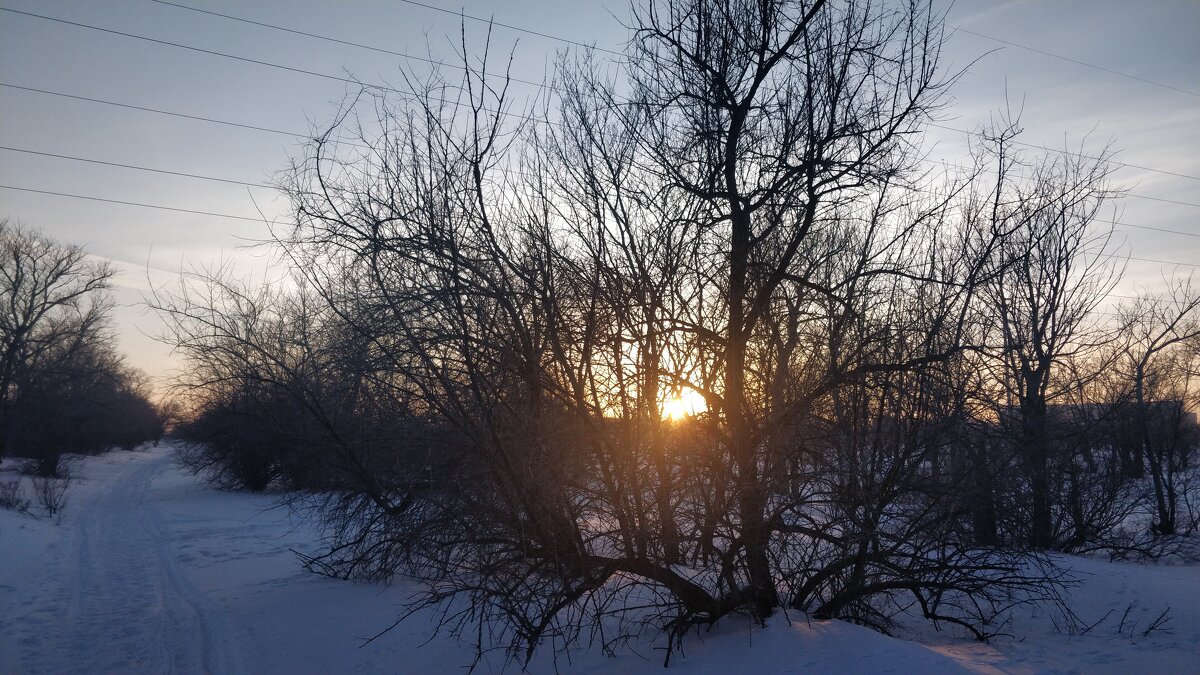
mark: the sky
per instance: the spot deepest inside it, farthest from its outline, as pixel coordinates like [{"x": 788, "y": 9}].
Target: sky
[{"x": 1148, "y": 110}]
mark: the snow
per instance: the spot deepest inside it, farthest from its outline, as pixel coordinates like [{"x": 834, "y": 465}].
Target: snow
[
  {"x": 150, "y": 570},
  {"x": 1116, "y": 643}
]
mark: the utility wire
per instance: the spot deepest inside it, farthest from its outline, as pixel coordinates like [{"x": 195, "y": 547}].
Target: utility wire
[
  {"x": 429, "y": 61},
  {"x": 223, "y": 215},
  {"x": 272, "y": 187},
  {"x": 1077, "y": 61},
  {"x": 382, "y": 50},
  {"x": 1147, "y": 227},
  {"x": 959, "y": 28},
  {"x": 410, "y": 96},
  {"x": 1134, "y": 195},
  {"x": 1125, "y": 164},
  {"x": 1071, "y": 153},
  {"x": 259, "y": 220},
  {"x": 136, "y": 167},
  {"x": 527, "y": 31},
  {"x": 138, "y": 204},
  {"x": 155, "y": 110},
  {"x": 543, "y": 85},
  {"x": 1165, "y": 201},
  {"x": 349, "y": 80},
  {"x": 348, "y": 43},
  {"x": 201, "y": 50},
  {"x": 1166, "y": 262}
]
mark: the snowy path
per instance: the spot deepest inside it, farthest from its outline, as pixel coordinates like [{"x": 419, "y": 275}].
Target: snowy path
[
  {"x": 152, "y": 571},
  {"x": 118, "y": 600}
]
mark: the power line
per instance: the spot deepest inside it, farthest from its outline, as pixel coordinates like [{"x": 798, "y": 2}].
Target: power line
[
  {"x": 410, "y": 96},
  {"x": 1125, "y": 164},
  {"x": 960, "y": 28},
  {"x": 1077, "y": 62},
  {"x": 1133, "y": 195},
  {"x": 349, "y": 80},
  {"x": 224, "y": 215},
  {"x": 527, "y": 31},
  {"x": 1072, "y": 153},
  {"x": 337, "y": 78},
  {"x": 201, "y": 50},
  {"x": 1165, "y": 262},
  {"x": 348, "y": 43},
  {"x": 293, "y": 134},
  {"x": 1165, "y": 201},
  {"x": 271, "y": 187},
  {"x": 259, "y": 220},
  {"x": 136, "y": 167},
  {"x": 544, "y": 85},
  {"x": 1147, "y": 227},
  {"x": 154, "y": 110},
  {"x": 138, "y": 204}
]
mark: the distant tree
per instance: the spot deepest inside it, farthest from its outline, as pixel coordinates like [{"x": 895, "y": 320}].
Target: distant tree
[
  {"x": 243, "y": 353},
  {"x": 275, "y": 391},
  {"x": 1160, "y": 364}
]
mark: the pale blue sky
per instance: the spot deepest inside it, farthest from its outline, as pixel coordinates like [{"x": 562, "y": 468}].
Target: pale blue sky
[{"x": 1063, "y": 103}]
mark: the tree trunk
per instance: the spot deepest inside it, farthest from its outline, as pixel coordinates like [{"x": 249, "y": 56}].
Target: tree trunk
[{"x": 1037, "y": 465}]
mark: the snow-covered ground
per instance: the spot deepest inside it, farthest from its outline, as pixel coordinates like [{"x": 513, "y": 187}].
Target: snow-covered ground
[{"x": 152, "y": 571}]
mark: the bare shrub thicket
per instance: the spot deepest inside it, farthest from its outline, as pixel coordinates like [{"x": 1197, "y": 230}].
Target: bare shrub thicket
[{"x": 495, "y": 307}]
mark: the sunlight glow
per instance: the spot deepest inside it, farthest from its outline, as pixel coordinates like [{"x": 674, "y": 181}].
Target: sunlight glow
[{"x": 683, "y": 404}]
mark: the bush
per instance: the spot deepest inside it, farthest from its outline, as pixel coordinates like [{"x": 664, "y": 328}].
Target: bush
[
  {"x": 51, "y": 492},
  {"x": 12, "y": 496}
]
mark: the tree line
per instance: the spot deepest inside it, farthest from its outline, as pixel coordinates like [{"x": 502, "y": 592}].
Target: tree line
[
  {"x": 910, "y": 392},
  {"x": 64, "y": 387}
]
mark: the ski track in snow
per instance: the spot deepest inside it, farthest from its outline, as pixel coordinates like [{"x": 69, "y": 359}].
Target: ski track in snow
[{"x": 118, "y": 601}]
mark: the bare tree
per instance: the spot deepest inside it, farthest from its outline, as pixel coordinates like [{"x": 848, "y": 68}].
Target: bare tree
[
  {"x": 772, "y": 122},
  {"x": 1048, "y": 279}
]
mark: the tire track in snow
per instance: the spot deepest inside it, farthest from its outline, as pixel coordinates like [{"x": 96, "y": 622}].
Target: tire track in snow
[{"x": 131, "y": 606}]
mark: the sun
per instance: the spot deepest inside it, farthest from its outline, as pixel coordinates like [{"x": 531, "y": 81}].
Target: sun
[{"x": 683, "y": 404}]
